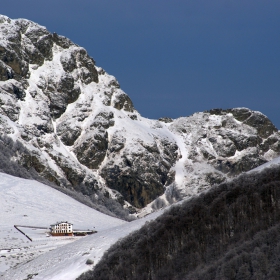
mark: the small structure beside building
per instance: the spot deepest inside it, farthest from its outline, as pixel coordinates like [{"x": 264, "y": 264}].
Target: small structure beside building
[{"x": 61, "y": 229}]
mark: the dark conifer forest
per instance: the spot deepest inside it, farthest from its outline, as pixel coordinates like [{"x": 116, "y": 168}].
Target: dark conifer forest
[{"x": 229, "y": 232}]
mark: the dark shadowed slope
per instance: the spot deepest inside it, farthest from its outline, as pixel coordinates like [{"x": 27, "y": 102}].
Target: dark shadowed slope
[{"x": 230, "y": 232}]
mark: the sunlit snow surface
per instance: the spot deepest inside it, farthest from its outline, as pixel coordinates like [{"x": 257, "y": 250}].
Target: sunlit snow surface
[
  {"x": 30, "y": 203},
  {"x": 27, "y": 202}
]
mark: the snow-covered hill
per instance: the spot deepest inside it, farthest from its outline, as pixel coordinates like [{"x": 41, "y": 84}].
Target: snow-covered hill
[
  {"x": 30, "y": 203},
  {"x": 71, "y": 123}
]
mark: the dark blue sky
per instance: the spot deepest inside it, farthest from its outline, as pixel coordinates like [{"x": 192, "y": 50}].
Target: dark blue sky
[{"x": 174, "y": 58}]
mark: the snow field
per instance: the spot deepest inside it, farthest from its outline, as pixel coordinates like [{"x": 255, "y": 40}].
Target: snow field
[{"x": 30, "y": 203}]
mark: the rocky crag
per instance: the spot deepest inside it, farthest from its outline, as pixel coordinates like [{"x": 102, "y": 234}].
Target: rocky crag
[{"x": 81, "y": 132}]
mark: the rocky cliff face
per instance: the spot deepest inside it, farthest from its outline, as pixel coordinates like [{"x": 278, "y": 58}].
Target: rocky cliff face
[
  {"x": 223, "y": 143},
  {"x": 82, "y": 132}
]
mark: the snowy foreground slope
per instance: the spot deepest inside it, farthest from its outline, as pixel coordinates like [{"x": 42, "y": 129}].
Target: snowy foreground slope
[
  {"x": 30, "y": 203},
  {"x": 27, "y": 202},
  {"x": 68, "y": 121}
]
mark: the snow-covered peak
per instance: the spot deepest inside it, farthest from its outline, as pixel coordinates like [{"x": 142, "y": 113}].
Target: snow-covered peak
[{"x": 80, "y": 131}]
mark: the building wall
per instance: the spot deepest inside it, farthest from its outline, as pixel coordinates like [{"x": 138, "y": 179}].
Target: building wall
[{"x": 61, "y": 228}]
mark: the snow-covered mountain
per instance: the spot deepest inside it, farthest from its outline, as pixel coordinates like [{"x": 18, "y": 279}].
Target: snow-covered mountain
[{"x": 67, "y": 121}]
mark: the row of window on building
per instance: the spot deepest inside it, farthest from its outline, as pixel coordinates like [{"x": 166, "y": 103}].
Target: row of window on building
[{"x": 62, "y": 227}]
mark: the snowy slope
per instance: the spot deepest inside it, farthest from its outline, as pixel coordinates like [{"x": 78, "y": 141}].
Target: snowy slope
[
  {"x": 69, "y": 261},
  {"x": 27, "y": 202},
  {"x": 30, "y": 203}
]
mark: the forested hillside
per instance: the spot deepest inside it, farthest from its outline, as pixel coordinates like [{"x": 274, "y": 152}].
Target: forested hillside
[{"x": 229, "y": 232}]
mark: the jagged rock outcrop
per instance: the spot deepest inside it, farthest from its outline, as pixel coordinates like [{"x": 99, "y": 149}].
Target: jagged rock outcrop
[
  {"x": 83, "y": 133},
  {"x": 141, "y": 173},
  {"x": 224, "y": 143}
]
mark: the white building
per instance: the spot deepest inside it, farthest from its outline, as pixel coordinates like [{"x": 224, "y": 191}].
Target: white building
[{"x": 62, "y": 229}]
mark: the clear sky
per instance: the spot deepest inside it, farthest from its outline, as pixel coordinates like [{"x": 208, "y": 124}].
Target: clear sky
[{"x": 174, "y": 58}]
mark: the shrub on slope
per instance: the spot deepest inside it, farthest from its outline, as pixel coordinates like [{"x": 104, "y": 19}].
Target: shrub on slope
[{"x": 222, "y": 234}]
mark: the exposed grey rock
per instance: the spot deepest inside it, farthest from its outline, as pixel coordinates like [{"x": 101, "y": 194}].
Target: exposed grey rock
[
  {"x": 57, "y": 104},
  {"x": 117, "y": 143},
  {"x": 62, "y": 41},
  {"x": 13, "y": 60},
  {"x": 68, "y": 88},
  {"x": 14, "y": 88},
  {"x": 68, "y": 134},
  {"x": 122, "y": 101},
  {"x": 223, "y": 147},
  {"x": 34, "y": 55},
  {"x": 242, "y": 142},
  {"x": 165, "y": 119},
  {"x": 11, "y": 110},
  {"x": 6, "y": 72},
  {"x": 226, "y": 142},
  {"x": 62, "y": 93},
  {"x": 5, "y": 128},
  {"x": 74, "y": 174},
  {"x": 263, "y": 125},
  {"x": 255, "y": 119},
  {"x": 103, "y": 119},
  {"x": 132, "y": 186},
  {"x": 92, "y": 150},
  {"x": 245, "y": 163},
  {"x": 29, "y": 160},
  {"x": 68, "y": 61},
  {"x": 140, "y": 177},
  {"x": 44, "y": 45},
  {"x": 88, "y": 72}
]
